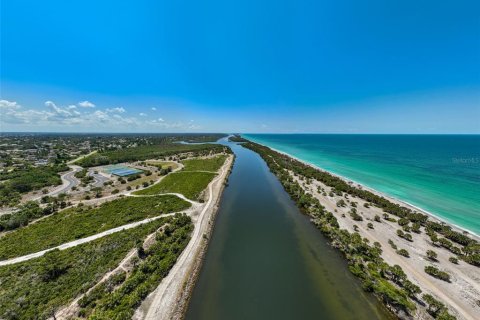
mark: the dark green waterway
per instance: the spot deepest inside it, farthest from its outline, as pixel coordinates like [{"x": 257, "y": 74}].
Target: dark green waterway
[{"x": 267, "y": 261}]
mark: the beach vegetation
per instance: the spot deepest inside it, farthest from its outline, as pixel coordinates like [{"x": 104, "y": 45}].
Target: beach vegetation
[
  {"x": 392, "y": 244},
  {"x": 403, "y": 252},
  {"x": 453, "y": 260},
  {"x": 435, "y": 272},
  {"x": 432, "y": 255}
]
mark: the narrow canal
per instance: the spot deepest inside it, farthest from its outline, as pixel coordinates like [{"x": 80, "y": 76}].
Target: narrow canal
[{"x": 267, "y": 261}]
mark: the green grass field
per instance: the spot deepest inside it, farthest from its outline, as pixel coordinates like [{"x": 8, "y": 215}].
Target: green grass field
[
  {"x": 35, "y": 288},
  {"x": 210, "y": 164},
  {"x": 190, "y": 184},
  {"x": 76, "y": 223}
]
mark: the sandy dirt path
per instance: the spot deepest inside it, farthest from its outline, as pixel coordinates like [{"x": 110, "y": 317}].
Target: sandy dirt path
[{"x": 162, "y": 303}]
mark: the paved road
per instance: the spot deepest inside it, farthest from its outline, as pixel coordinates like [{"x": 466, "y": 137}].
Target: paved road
[
  {"x": 99, "y": 178},
  {"x": 68, "y": 182}
]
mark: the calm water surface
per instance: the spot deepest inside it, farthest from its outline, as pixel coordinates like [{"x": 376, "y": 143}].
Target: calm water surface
[
  {"x": 438, "y": 173},
  {"x": 267, "y": 261}
]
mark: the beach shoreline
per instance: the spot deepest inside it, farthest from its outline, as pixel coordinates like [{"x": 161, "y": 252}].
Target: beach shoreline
[
  {"x": 460, "y": 294},
  {"x": 381, "y": 194}
]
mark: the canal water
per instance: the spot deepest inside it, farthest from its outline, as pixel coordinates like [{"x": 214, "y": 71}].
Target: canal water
[{"x": 265, "y": 260}]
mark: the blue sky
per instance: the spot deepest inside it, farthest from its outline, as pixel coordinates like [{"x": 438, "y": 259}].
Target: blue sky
[{"x": 245, "y": 66}]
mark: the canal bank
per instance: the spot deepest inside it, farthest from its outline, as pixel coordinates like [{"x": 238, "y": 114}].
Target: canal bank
[{"x": 265, "y": 260}]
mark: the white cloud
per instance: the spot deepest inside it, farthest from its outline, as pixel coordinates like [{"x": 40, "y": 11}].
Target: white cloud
[
  {"x": 116, "y": 110},
  {"x": 71, "y": 117},
  {"x": 86, "y": 104},
  {"x": 154, "y": 109},
  {"x": 5, "y": 104}
]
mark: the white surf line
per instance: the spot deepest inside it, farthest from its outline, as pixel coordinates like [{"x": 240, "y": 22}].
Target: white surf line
[
  {"x": 85, "y": 240},
  {"x": 165, "y": 294}
]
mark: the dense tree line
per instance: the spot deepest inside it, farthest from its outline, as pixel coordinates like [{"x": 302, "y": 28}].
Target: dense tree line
[
  {"x": 146, "y": 152},
  {"x": 237, "y": 138}
]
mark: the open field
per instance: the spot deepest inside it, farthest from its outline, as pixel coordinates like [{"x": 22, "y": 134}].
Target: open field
[
  {"x": 80, "y": 222},
  {"x": 36, "y": 288},
  {"x": 147, "y": 152},
  {"x": 190, "y": 184},
  {"x": 208, "y": 164}
]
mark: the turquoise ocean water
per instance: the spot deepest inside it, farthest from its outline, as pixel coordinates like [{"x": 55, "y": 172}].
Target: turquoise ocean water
[{"x": 438, "y": 173}]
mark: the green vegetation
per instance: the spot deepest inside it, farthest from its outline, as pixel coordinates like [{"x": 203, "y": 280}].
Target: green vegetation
[
  {"x": 437, "y": 309},
  {"x": 189, "y": 183},
  {"x": 237, "y": 138},
  {"x": 403, "y": 252},
  {"x": 355, "y": 216},
  {"x": 392, "y": 244},
  {"x": 162, "y": 164},
  {"x": 210, "y": 164},
  {"x": 453, "y": 260},
  {"x": 81, "y": 222},
  {"x": 20, "y": 181},
  {"x": 389, "y": 284},
  {"x": 35, "y": 289},
  {"x": 146, "y": 152},
  {"x": 155, "y": 263},
  {"x": 406, "y": 236},
  {"x": 25, "y": 214},
  {"x": 432, "y": 255},
  {"x": 435, "y": 272}
]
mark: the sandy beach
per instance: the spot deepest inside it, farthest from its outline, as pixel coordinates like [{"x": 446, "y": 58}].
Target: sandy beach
[
  {"x": 461, "y": 295},
  {"x": 431, "y": 215}
]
